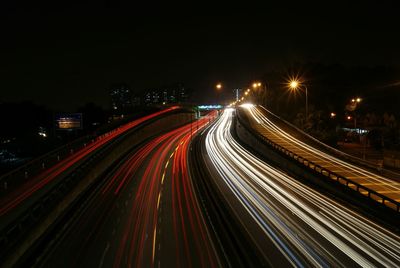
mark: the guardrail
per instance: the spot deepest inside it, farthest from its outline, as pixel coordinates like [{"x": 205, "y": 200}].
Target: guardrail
[
  {"x": 343, "y": 155},
  {"x": 37, "y": 165},
  {"x": 19, "y": 175},
  {"x": 16, "y": 229},
  {"x": 365, "y": 191},
  {"x": 19, "y": 226}
]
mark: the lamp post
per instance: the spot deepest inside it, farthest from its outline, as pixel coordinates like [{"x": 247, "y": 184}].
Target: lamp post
[
  {"x": 259, "y": 85},
  {"x": 218, "y": 87},
  {"x": 354, "y": 105},
  {"x": 294, "y": 85}
]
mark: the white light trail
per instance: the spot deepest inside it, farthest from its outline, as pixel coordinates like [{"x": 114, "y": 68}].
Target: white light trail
[
  {"x": 307, "y": 227},
  {"x": 276, "y": 131}
]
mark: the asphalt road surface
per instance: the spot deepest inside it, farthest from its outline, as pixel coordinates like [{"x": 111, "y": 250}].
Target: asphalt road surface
[
  {"x": 144, "y": 214},
  {"x": 292, "y": 224},
  {"x": 386, "y": 186},
  {"x": 19, "y": 199}
]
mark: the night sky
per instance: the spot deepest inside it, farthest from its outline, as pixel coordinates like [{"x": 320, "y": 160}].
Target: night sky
[{"x": 65, "y": 55}]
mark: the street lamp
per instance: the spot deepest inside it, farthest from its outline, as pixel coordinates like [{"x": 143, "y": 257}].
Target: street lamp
[
  {"x": 355, "y": 121},
  {"x": 358, "y": 100},
  {"x": 353, "y": 107},
  {"x": 219, "y": 86},
  {"x": 294, "y": 85},
  {"x": 257, "y": 85}
]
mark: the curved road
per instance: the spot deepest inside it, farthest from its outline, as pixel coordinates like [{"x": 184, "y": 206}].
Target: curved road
[
  {"x": 144, "y": 214},
  {"x": 265, "y": 126},
  {"x": 290, "y": 223},
  {"x": 18, "y": 199}
]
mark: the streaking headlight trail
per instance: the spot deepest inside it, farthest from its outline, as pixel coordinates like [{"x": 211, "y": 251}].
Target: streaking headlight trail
[{"x": 308, "y": 228}]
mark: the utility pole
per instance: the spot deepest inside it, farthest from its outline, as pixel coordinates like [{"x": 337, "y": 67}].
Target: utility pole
[{"x": 237, "y": 94}]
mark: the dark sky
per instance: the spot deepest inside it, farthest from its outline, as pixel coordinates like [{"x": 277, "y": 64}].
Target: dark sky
[{"x": 67, "y": 54}]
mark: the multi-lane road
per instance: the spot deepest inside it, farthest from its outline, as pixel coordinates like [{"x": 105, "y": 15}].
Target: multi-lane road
[
  {"x": 265, "y": 126},
  {"x": 144, "y": 214},
  {"x": 15, "y": 200},
  {"x": 148, "y": 211},
  {"x": 290, "y": 223}
]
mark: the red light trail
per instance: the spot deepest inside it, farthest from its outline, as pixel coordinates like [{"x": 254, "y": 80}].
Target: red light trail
[{"x": 13, "y": 199}]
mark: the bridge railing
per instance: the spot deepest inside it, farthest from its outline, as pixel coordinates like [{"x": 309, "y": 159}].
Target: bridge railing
[
  {"x": 19, "y": 227},
  {"x": 34, "y": 213},
  {"x": 365, "y": 191},
  {"x": 21, "y": 174},
  {"x": 343, "y": 155},
  {"x": 37, "y": 165}
]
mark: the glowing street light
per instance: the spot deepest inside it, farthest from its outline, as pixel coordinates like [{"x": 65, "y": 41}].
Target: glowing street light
[
  {"x": 256, "y": 85},
  {"x": 353, "y": 107},
  {"x": 333, "y": 115},
  {"x": 218, "y": 86},
  {"x": 295, "y": 84}
]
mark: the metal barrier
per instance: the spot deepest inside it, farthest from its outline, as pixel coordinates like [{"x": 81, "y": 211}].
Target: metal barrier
[
  {"x": 11, "y": 234},
  {"x": 30, "y": 217},
  {"x": 336, "y": 152},
  {"x": 37, "y": 165},
  {"x": 19, "y": 175},
  {"x": 365, "y": 191}
]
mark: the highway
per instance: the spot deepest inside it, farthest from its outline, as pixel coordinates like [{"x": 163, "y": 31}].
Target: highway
[
  {"x": 289, "y": 222},
  {"x": 144, "y": 213},
  {"x": 268, "y": 128},
  {"x": 18, "y": 199}
]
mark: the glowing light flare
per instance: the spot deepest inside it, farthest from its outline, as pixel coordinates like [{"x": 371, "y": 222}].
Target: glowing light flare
[
  {"x": 294, "y": 84},
  {"x": 247, "y": 105}
]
